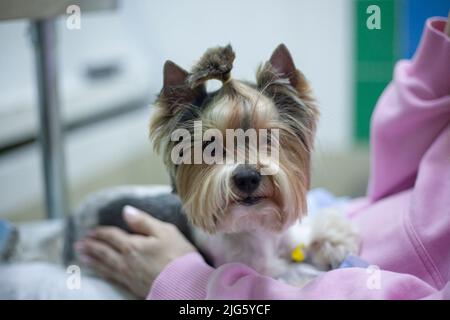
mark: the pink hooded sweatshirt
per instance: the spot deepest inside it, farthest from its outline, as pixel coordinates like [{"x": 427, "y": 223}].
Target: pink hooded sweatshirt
[{"x": 405, "y": 218}]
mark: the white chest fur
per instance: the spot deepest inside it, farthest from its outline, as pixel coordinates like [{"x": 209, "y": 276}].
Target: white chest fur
[{"x": 328, "y": 237}]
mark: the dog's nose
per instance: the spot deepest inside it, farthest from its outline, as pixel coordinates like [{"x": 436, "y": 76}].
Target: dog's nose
[{"x": 246, "y": 179}]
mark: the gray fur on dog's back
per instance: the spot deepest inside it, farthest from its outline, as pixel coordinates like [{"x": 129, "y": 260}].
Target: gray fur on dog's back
[
  {"x": 165, "y": 207},
  {"x": 105, "y": 208}
]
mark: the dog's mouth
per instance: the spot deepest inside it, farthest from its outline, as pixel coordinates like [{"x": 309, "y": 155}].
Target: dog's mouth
[{"x": 251, "y": 200}]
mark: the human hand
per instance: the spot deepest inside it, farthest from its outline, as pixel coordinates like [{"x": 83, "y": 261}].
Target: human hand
[{"x": 133, "y": 260}]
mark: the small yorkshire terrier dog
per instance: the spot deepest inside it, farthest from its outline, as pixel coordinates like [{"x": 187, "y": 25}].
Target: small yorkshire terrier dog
[{"x": 249, "y": 206}]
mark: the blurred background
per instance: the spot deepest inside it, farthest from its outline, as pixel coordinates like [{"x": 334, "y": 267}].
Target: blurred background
[{"x": 110, "y": 71}]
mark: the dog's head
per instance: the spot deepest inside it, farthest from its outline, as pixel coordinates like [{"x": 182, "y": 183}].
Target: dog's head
[{"x": 239, "y": 157}]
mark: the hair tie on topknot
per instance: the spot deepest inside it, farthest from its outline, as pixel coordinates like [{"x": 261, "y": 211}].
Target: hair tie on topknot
[{"x": 216, "y": 63}]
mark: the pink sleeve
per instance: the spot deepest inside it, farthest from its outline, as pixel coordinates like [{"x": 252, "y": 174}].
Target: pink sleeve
[
  {"x": 184, "y": 278},
  {"x": 189, "y": 277},
  {"x": 411, "y": 112}
]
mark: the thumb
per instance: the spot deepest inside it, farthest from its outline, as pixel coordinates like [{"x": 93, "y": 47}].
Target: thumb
[{"x": 141, "y": 222}]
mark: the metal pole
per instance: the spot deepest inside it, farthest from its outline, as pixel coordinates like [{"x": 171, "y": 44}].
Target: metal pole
[{"x": 51, "y": 129}]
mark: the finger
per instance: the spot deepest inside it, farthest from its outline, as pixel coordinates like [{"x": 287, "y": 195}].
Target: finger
[
  {"x": 144, "y": 244},
  {"x": 100, "y": 251},
  {"x": 97, "y": 265},
  {"x": 104, "y": 271},
  {"x": 447, "y": 25},
  {"x": 114, "y": 237},
  {"x": 141, "y": 222}
]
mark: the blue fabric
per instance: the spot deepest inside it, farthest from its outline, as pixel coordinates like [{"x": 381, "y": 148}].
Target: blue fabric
[
  {"x": 321, "y": 198},
  {"x": 6, "y": 231},
  {"x": 352, "y": 261}
]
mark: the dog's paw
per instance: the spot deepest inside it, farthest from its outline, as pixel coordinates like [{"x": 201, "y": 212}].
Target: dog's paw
[{"x": 333, "y": 237}]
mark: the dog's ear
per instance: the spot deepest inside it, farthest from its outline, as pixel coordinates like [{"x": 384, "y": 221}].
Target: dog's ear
[
  {"x": 283, "y": 64},
  {"x": 280, "y": 80},
  {"x": 176, "y": 92},
  {"x": 279, "y": 71},
  {"x": 174, "y": 75}
]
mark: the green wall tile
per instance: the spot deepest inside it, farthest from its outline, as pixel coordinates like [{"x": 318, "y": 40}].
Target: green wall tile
[{"x": 375, "y": 53}]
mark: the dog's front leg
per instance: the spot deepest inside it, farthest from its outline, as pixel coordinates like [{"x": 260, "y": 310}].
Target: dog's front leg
[{"x": 331, "y": 238}]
